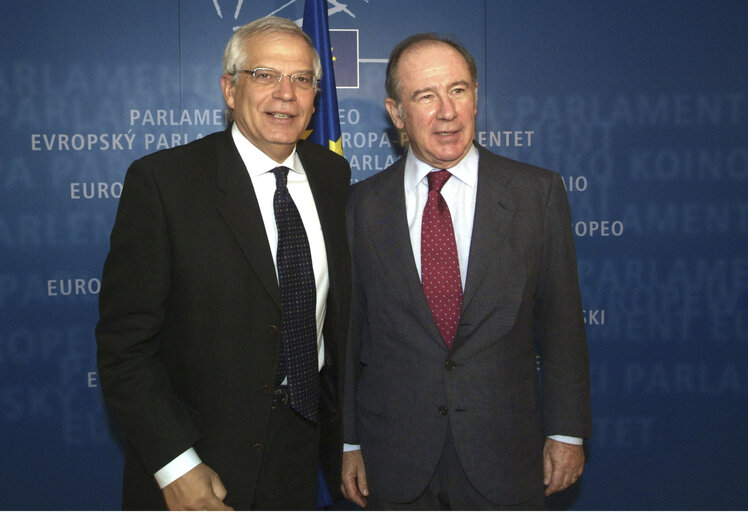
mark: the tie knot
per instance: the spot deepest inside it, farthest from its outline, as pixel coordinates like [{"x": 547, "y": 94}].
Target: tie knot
[
  {"x": 281, "y": 176},
  {"x": 437, "y": 179}
]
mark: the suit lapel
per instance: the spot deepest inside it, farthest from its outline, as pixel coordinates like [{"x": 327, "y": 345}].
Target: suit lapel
[
  {"x": 238, "y": 206},
  {"x": 387, "y": 220},
  {"x": 494, "y": 211},
  {"x": 326, "y": 211}
]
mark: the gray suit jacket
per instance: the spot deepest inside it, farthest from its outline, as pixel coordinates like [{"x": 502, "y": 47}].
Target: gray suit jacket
[{"x": 521, "y": 299}]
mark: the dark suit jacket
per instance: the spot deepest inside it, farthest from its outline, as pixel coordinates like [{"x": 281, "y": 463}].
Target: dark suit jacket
[
  {"x": 188, "y": 337},
  {"x": 521, "y": 298}
]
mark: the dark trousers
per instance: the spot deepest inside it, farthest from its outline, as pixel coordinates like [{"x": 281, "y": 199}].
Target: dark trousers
[
  {"x": 288, "y": 476},
  {"x": 450, "y": 489}
]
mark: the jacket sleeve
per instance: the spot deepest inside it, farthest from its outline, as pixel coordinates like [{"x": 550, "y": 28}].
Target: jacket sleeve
[
  {"x": 132, "y": 302},
  {"x": 357, "y": 329},
  {"x": 559, "y": 325}
]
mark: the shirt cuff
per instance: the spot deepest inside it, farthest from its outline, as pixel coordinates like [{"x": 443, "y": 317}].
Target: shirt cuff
[
  {"x": 568, "y": 439},
  {"x": 351, "y": 447},
  {"x": 177, "y": 467}
]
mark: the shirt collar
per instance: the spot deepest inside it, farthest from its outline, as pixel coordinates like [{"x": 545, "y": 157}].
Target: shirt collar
[
  {"x": 466, "y": 169},
  {"x": 258, "y": 162}
]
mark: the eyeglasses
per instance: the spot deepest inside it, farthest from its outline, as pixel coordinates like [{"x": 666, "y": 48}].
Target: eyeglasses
[{"x": 267, "y": 76}]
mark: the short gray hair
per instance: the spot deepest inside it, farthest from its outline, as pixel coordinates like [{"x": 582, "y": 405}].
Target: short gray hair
[{"x": 234, "y": 56}]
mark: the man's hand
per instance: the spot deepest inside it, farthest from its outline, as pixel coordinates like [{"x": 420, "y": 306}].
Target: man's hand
[
  {"x": 198, "y": 489},
  {"x": 563, "y": 464},
  {"x": 353, "y": 485}
]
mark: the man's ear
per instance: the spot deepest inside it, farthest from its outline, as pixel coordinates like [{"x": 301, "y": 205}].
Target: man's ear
[
  {"x": 227, "y": 86},
  {"x": 391, "y": 105},
  {"x": 475, "y": 93}
]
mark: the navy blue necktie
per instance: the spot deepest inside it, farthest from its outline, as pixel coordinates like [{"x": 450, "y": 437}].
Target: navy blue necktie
[{"x": 298, "y": 294}]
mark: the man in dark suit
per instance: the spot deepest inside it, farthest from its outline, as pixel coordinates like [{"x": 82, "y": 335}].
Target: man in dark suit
[
  {"x": 223, "y": 315},
  {"x": 463, "y": 271}
]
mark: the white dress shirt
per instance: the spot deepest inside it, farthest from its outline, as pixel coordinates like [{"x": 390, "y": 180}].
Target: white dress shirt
[
  {"x": 459, "y": 192},
  {"x": 259, "y": 167}
]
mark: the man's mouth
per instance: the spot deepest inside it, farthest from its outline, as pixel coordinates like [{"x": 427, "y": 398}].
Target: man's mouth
[{"x": 279, "y": 115}]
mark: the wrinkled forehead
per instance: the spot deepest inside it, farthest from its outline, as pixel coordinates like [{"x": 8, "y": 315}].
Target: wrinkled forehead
[
  {"x": 281, "y": 47},
  {"x": 431, "y": 57}
]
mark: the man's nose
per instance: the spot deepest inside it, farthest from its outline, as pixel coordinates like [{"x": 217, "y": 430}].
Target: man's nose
[
  {"x": 446, "y": 109},
  {"x": 285, "y": 88}
]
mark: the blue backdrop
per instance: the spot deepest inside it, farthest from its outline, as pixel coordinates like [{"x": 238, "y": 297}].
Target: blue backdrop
[{"x": 640, "y": 105}]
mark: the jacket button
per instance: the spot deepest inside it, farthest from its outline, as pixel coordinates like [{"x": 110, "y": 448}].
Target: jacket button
[
  {"x": 449, "y": 365},
  {"x": 266, "y": 389},
  {"x": 256, "y": 447},
  {"x": 443, "y": 410},
  {"x": 272, "y": 329}
]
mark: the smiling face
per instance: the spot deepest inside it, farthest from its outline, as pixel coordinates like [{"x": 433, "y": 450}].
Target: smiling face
[
  {"x": 438, "y": 103},
  {"x": 272, "y": 116}
]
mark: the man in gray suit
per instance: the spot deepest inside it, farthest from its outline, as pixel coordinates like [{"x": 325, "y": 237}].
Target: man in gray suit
[{"x": 464, "y": 272}]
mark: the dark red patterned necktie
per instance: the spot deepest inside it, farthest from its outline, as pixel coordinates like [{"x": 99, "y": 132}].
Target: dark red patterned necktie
[{"x": 440, "y": 268}]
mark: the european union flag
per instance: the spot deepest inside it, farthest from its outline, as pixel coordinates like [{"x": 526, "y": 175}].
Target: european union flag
[{"x": 324, "y": 128}]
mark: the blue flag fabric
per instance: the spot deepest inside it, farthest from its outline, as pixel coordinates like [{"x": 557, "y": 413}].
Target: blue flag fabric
[{"x": 324, "y": 128}]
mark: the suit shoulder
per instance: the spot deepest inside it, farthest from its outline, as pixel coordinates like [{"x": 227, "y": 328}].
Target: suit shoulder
[
  {"x": 180, "y": 157},
  {"x": 314, "y": 151},
  {"x": 514, "y": 166},
  {"x": 383, "y": 177},
  {"x": 322, "y": 160},
  {"x": 516, "y": 173}
]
